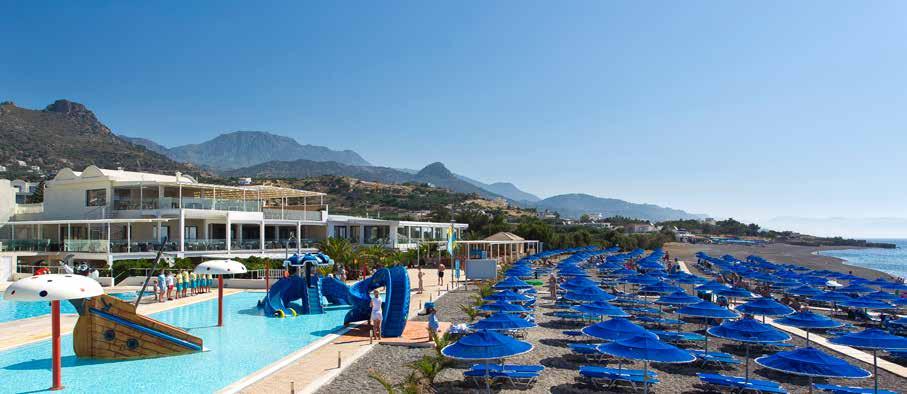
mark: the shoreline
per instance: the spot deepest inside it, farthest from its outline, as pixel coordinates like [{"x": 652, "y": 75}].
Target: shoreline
[{"x": 807, "y": 256}]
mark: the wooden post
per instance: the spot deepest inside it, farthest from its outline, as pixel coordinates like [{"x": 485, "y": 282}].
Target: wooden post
[{"x": 55, "y": 332}]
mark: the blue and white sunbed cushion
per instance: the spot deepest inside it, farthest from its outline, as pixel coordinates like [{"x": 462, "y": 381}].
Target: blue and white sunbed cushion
[
  {"x": 596, "y": 371},
  {"x": 508, "y": 367}
]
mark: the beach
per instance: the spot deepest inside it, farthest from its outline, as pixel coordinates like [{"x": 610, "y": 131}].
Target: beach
[{"x": 775, "y": 252}]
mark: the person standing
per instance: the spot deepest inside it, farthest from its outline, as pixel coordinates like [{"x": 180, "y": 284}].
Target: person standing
[
  {"x": 441, "y": 268},
  {"x": 552, "y": 285},
  {"x": 169, "y": 286},
  {"x": 433, "y": 324},
  {"x": 376, "y": 315},
  {"x": 162, "y": 285},
  {"x": 419, "y": 275}
]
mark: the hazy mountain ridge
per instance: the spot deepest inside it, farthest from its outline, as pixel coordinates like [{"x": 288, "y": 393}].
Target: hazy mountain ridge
[
  {"x": 246, "y": 148},
  {"x": 505, "y": 189},
  {"x": 577, "y": 204}
]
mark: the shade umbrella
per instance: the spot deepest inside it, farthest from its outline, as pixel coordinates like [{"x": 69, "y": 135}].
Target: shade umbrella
[
  {"x": 735, "y": 292},
  {"x": 220, "y": 268},
  {"x": 873, "y": 339},
  {"x": 804, "y": 291},
  {"x": 659, "y": 288},
  {"x": 711, "y": 286},
  {"x": 503, "y": 306},
  {"x": 578, "y": 282},
  {"x": 486, "y": 345},
  {"x": 503, "y": 321},
  {"x": 601, "y": 308},
  {"x": 807, "y": 320},
  {"x": 678, "y": 298},
  {"x": 866, "y": 303},
  {"x": 642, "y": 280},
  {"x": 765, "y": 306},
  {"x": 54, "y": 288},
  {"x": 896, "y": 286},
  {"x": 647, "y": 349},
  {"x": 707, "y": 310},
  {"x": 748, "y": 331},
  {"x": 856, "y": 288},
  {"x": 509, "y": 296},
  {"x": 589, "y": 294},
  {"x": 513, "y": 283},
  {"x": 833, "y": 297},
  {"x": 813, "y": 363},
  {"x": 877, "y": 282},
  {"x": 614, "y": 329},
  {"x": 882, "y": 296}
]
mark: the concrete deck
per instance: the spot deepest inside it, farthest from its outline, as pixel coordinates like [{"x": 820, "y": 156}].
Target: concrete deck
[{"x": 320, "y": 365}]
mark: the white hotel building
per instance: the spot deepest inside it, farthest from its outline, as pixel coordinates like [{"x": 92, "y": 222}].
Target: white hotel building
[{"x": 105, "y": 215}]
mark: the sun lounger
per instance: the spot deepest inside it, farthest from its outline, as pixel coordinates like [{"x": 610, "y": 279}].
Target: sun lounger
[
  {"x": 515, "y": 378},
  {"x": 573, "y": 333},
  {"x": 718, "y": 358},
  {"x": 737, "y": 384},
  {"x": 835, "y": 389},
  {"x": 902, "y": 354},
  {"x": 678, "y": 337},
  {"x": 610, "y": 377},
  {"x": 508, "y": 367},
  {"x": 589, "y": 351}
]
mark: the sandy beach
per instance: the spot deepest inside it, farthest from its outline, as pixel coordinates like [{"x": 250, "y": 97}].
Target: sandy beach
[{"x": 780, "y": 253}]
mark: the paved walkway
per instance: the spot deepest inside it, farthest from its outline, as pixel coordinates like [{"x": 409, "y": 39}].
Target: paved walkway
[
  {"x": 320, "y": 365},
  {"x": 24, "y": 331}
]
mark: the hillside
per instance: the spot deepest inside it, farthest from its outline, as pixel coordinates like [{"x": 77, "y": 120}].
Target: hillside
[
  {"x": 67, "y": 134},
  {"x": 505, "y": 189},
  {"x": 574, "y": 205},
  {"x": 435, "y": 174},
  {"x": 246, "y": 148}
]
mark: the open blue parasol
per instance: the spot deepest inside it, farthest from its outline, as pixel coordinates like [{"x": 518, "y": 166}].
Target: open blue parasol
[
  {"x": 735, "y": 292},
  {"x": 513, "y": 283},
  {"x": 503, "y": 321},
  {"x": 509, "y": 296},
  {"x": 614, "y": 329},
  {"x": 804, "y": 291},
  {"x": 882, "y": 296},
  {"x": 765, "y": 306},
  {"x": 659, "y": 288},
  {"x": 866, "y": 303},
  {"x": 807, "y": 320},
  {"x": 588, "y": 294},
  {"x": 813, "y": 363},
  {"x": 678, "y": 298},
  {"x": 503, "y": 306},
  {"x": 856, "y": 288},
  {"x": 711, "y": 286},
  {"x": 601, "y": 308},
  {"x": 486, "y": 345},
  {"x": 873, "y": 339},
  {"x": 646, "y": 348},
  {"x": 748, "y": 331}
]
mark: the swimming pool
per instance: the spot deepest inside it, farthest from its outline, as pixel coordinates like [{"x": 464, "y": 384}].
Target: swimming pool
[
  {"x": 13, "y": 310},
  {"x": 247, "y": 342}
]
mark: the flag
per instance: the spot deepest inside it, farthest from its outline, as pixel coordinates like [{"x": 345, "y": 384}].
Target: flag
[{"x": 451, "y": 240}]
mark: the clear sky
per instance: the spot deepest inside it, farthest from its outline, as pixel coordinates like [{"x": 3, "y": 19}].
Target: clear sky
[{"x": 744, "y": 109}]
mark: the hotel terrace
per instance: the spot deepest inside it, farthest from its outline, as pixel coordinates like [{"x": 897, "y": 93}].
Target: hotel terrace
[{"x": 105, "y": 215}]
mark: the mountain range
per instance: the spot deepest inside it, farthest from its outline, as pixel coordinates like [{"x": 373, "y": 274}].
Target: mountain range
[
  {"x": 68, "y": 134},
  {"x": 246, "y": 148}
]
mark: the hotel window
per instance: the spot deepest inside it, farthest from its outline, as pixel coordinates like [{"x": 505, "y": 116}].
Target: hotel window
[
  {"x": 191, "y": 233},
  {"x": 96, "y": 198},
  {"x": 340, "y": 232}
]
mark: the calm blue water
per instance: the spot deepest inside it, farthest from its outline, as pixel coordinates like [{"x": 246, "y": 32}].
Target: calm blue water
[
  {"x": 13, "y": 310},
  {"x": 246, "y": 343},
  {"x": 892, "y": 261}
]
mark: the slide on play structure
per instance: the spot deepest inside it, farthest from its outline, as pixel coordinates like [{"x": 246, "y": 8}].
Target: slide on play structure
[
  {"x": 395, "y": 309},
  {"x": 292, "y": 288}
]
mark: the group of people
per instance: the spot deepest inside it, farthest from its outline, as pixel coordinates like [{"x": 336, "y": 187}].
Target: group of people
[{"x": 169, "y": 286}]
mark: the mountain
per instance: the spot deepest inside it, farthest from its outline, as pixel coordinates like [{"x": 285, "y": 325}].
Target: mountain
[
  {"x": 246, "y": 148},
  {"x": 436, "y": 174},
  {"x": 68, "y": 134},
  {"x": 575, "y": 205},
  {"x": 506, "y": 189},
  {"x": 148, "y": 144}
]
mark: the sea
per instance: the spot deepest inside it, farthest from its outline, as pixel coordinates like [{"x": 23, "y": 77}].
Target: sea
[{"x": 891, "y": 261}]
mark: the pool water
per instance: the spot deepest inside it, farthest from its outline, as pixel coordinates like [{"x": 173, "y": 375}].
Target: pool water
[
  {"x": 247, "y": 342},
  {"x": 14, "y": 310}
]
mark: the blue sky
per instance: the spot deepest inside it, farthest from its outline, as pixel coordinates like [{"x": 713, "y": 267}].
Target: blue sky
[{"x": 744, "y": 109}]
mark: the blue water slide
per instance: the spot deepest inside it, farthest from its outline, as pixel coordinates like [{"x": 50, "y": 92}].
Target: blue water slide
[
  {"x": 395, "y": 309},
  {"x": 336, "y": 292},
  {"x": 286, "y": 290}
]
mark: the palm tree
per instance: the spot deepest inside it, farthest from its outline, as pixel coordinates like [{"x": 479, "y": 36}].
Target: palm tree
[{"x": 339, "y": 249}]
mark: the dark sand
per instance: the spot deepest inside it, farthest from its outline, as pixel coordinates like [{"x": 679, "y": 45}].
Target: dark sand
[{"x": 779, "y": 253}]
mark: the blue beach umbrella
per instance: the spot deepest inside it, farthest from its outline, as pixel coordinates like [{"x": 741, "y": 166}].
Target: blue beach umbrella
[
  {"x": 623, "y": 272},
  {"x": 659, "y": 288},
  {"x": 486, "y": 345},
  {"x": 832, "y": 296},
  {"x": 807, "y": 320},
  {"x": 765, "y": 306},
  {"x": 735, "y": 292},
  {"x": 813, "y": 363},
  {"x": 503, "y": 321},
  {"x": 600, "y": 308},
  {"x": 882, "y": 296},
  {"x": 678, "y": 298},
  {"x": 578, "y": 282},
  {"x": 614, "y": 329},
  {"x": 711, "y": 286},
  {"x": 877, "y": 282},
  {"x": 512, "y": 282},
  {"x": 748, "y": 331},
  {"x": 503, "y": 306},
  {"x": 509, "y": 296},
  {"x": 804, "y": 291},
  {"x": 873, "y": 339},
  {"x": 647, "y": 349},
  {"x": 707, "y": 310},
  {"x": 895, "y": 286},
  {"x": 642, "y": 280},
  {"x": 588, "y": 294},
  {"x": 866, "y": 303},
  {"x": 856, "y": 289}
]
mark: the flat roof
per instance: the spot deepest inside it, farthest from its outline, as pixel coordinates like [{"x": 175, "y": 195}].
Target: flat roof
[{"x": 89, "y": 221}]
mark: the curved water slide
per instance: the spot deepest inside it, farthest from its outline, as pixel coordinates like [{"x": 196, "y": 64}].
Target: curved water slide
[
  {"x": 395, "y": 309},
  {"x": 286, "y": 290}
]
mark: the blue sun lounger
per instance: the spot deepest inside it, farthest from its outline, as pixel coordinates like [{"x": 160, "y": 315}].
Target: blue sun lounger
[
  {"x": 738, "y": 384},
  {"x": 835, "y": 389},
  {"x": 589, "y": 351},
  {"x": 678, "y": 336},
  {"x": 609, "y": 377},
  {"x": 508, "y": 367},
  {"x": 515, "y": 378},
  {"x": 718, "y": 358}
]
